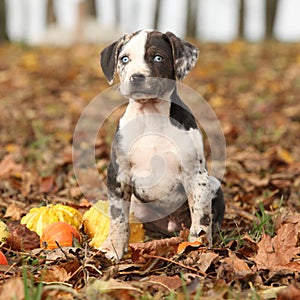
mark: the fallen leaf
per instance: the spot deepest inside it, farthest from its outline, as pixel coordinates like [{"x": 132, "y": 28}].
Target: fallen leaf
[
  {"x": 62, "y": 272},
  {"x": 63, "y": 253},
  {"x": 205, "y": 260},
  {"x": 182, "y": 246},
  {"x": 100, "y": 287},
  {"x": 284, "y": 155},
  {"x": 276, "y": 254},
  {"x": 288, "y": 217},
  {"x": 8, "y": 166},
  {"x": 13, "y": 288},
  {"x": 233, "y": 267},
  {"x": 14, "y": 212},
  {"x": 56, "y": 274},
  {"x": 30, "y": 61},
  {"x": 290, "y": 293},
  {"x": 249, "y": 247},
  {"x": 84, "y": 203},
  {"x": 141, "y": 250},
  {"x": 47, "y": 184},
  {"x": 21, "y": 238},
  {"x": 27, "y": 182},
  {"x": 12, "y": 148},
  {"x": 171, "y": 282},
  {"x": 269, "y": 292}
]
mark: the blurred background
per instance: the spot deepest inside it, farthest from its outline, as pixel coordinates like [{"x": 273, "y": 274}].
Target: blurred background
[
  {"x": 248, "y": 71},
  {"x": 63, "y": 22}
]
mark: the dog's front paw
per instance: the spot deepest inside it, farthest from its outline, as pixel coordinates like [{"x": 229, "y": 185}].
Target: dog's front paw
[
  {"x": 202, "y": 234},
  {"x": 114, "y": 249}
]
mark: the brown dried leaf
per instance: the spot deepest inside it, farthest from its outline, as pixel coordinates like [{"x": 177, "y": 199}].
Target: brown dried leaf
[
  {"x": 288, "y": 217},
  {"x": 8, "y": 166},
  {"x": 290, "y": 293},
  {"x": 14, "y": 212},
  {"x": 277, "y": 253},
  {"x": 249, "y": 247},
  {"x": 63, "y": 253},
  {"x": 172, "y": 282},
  {"x": 62, "y": 272},
  {"x": 99, "y": 288},
  {"x": 13, "y": 288},
  {"x": 47, "y": 184},
  {"x": 233, "y": 267},
  {"x": 27, "y": 182},
  {"x": 56, "y": 274},
  {"x": 21, "y": 238},
  {"x": 205, "y": 260},
  {"x": 156, "y": 244},
  {"x": 153, "y": 248}
]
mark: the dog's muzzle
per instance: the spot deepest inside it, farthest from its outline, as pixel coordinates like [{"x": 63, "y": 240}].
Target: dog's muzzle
[
  {"x": 142, "y": 87},
  {"x": 137, "y": 79}
]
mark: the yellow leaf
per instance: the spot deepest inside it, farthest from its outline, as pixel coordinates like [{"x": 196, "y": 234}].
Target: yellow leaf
[
  {"x": 12, "y": 148},
  {"x": 285, "y": 155},
  {"x": 217, "y": 101},
  {"x": 30, "y": 61}
]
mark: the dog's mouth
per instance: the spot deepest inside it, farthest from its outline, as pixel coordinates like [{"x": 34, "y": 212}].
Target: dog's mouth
[
  {"x": 142, "y": 93},
  {"x": 145, "y": 100},
  {"x": 150, "y": 89}
]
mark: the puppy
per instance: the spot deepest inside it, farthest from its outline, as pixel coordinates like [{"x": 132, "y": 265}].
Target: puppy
[{"x": 157, "y": 162}]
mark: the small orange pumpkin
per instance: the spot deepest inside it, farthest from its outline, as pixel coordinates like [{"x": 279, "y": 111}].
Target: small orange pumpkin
[
  {"x": 3, "y": 260},
  {"x": 61, "y": 233}
]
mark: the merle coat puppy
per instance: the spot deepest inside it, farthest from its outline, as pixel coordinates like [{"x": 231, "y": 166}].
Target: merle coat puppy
[{"x": 157, "y": 162}]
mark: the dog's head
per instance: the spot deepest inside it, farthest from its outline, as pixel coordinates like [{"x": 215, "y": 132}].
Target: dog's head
[{"x": 142, "y": 59}]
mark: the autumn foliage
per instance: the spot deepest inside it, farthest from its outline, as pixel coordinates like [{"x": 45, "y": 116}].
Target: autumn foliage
[{"x": 254, "y": 90}]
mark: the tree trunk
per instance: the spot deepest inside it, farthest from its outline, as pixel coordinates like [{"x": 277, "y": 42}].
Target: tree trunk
[
  {"x": 192, "y": 18},
  {"x": 271, "y": 6},
  {"x": 3, "y": 35},
  {"x": 241, "y": 19}
]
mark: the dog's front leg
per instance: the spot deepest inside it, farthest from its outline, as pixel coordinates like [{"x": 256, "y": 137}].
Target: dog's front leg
[
  {"x": 119, "y": 195},
  {"x": 200, "y": 201}
]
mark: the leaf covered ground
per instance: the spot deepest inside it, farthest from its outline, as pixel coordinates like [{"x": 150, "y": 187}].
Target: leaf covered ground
[{"x": 255, "y": 91}]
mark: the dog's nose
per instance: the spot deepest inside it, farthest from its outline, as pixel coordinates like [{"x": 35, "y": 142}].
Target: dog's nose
[{"x": 137, "y": 78}]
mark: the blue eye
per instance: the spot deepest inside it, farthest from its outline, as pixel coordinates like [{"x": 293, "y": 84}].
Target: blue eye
[
  {"x": 125, "y": 59},
  {"x": 158, "y": 58}
]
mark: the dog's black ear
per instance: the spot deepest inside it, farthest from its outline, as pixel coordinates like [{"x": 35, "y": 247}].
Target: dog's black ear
[
  {"x": 108, "y": 58},
  {"x": 185, "y": 55}
]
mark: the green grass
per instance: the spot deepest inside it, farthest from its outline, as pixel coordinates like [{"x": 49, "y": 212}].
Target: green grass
[
  {"x": 31, "y": 292},
  {"x": 263, "y": 225}
]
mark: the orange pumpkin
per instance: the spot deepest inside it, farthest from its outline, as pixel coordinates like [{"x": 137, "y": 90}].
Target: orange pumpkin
[
  {"x": 3, "y": 260},
  {"x": 61, "y": 233}
]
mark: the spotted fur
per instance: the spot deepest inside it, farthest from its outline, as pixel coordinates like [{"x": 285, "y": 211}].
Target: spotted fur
[{"x": 157, "y": 166}]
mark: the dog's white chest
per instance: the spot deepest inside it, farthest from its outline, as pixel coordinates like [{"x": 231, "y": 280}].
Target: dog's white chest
[
  {"x": 153, "y": 154},
  {"x": 156, "y": 152}
]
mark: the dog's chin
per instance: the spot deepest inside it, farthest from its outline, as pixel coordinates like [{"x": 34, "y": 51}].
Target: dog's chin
[
  {"x": 145, "y": 100},
  {"x": 145, "y": 95},
  {"x": 141, "y": 96},
  {"x": 152, "y": 88}
]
